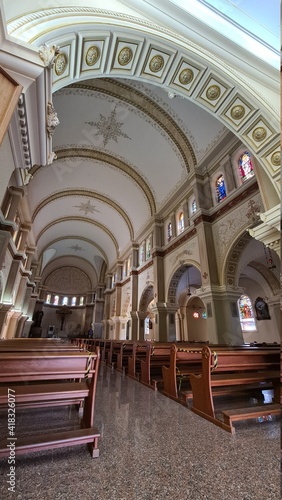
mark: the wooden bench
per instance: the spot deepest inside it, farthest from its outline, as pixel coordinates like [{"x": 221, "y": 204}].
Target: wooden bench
[
  {"x": 105, "y": 348},
  {"x": 139, "y": 351},
  {"x": 123, "y": 356},
  {"x": 183, "y": 361},
  {"x": 230, "y": 370},
  {"x": 22, "y": 345},
  {"x": 157, "y": 355},
  {"x": 44, "y": 379},
  {"x": 113, "y": 352}
]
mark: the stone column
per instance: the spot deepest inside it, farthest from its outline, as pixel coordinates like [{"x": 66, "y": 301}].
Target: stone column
[
  {"x": 223, "y": 321},
  {"x": 5, "y": 236},
  {"x": 11, "y": 281},
  {"x": 141, "y": 330},
  {"x": 4, "y": 310},
  {"x": 11, "y": 203},
  {"x": 134, "y": 292}
]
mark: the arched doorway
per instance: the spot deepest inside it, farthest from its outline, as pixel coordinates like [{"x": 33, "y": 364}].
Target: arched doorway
[
  {"x": 190, "y": 311},
  {"x": 146, "y": 314}
]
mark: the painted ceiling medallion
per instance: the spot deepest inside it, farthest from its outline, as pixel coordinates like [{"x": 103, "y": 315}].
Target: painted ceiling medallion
[
  {"x": 156, "y": 64},
  {"x": 259, "y": 134},
  {"x": 76, "y": 248},
  {"x": 61, "y": 63},
  {"x": 125, "y": 56},
  {"x": 276, "y": 158},
  {"x": 87, "y": 208},
  {"x": 237, "y": 112},
  {"x": 92, "y": 55},
  {"x": 109, "y": 128},
  {"x": 213, "y": 92},
  {"x": 186, "y": 76}
]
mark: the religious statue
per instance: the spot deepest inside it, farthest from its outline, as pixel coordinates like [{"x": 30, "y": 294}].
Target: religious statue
[{"x": 261, "y": 308}]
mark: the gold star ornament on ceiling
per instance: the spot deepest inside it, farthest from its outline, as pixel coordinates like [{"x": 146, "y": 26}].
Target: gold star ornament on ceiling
[
  {"x": 109, "y": 128},
  {"x": 87, "y": 208}
]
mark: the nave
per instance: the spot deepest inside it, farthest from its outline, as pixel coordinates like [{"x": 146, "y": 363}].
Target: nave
[{"x": 151, "y": 448}]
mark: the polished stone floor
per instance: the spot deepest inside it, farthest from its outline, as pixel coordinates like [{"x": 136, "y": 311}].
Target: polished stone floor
[{"x": 151, "y": 448}]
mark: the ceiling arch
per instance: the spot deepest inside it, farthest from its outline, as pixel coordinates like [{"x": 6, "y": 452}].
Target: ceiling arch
[
  {"x": 141, "y": 107},
  {"x": 88, "y": 194}
]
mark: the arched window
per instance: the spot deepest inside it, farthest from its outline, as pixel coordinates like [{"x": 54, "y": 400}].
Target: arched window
[
  {"x": 181, "y": 222},
  {"x": 194, "y": 206},
  {"x": 246, "y": 314},
  {"x": 65, "y": 301},
  {"x": 48, "y": 298},
  {"x": 81, "y": 301},
  {"x": 73, "y": 301},
  {"x": 148, "y": 252},
  {"x": 124, "y": 270},
  {"x": 169, "y": 231},
  {"x": 56, "y": 300},
  {"x": 245, "y": 166},
  {"x": 141, "y": 254},
  {"x": 220, "y": 188}
]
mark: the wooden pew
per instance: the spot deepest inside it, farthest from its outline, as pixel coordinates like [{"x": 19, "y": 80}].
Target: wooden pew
[
  {"x": 123, "y": 356},
  {"x": 226, "y": 371},
  {"x": 139, "y": 351},
  {"x": 106, "y": 345},
  {"x": 22, "y": 345},
  {"x": 183, "y": 361},
  {"x": 157, "y": 356},
  {"x": 44, "y": 379},
  {"x": 113, "y": 352}
]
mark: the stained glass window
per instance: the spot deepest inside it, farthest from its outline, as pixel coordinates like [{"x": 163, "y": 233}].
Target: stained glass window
[
  {"x": 148, "y": 253},
  {"x": 73, "y": 301},
  {"x": 194, "y": 206},
  {"x": 220, "y": 188},
  {"x": 245, "y": 166},
  {"x": 181, "y": 222},
  {"x": 48, "y": 298},
  {"x": 169, "y": 231},
  {"x": 141, "y": 254},
  {"x": 65, "y": 301},
  {"x": 56, "y": 300},
  {"x": 246, "y": 313},
  {"x": 81, "y": 301}
]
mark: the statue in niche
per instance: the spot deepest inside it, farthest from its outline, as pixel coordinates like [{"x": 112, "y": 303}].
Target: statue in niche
[
  {"x": 261, "y": 308},
  {"x": 37, "y": 318}
]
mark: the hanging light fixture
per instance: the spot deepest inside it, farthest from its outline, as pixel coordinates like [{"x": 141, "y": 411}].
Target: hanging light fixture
[
  {"x": 188, "y": 283},
  {"x": 268, "y": 257}
]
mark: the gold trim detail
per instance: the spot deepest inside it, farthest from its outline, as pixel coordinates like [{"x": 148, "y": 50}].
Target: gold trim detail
[
  {"x": 186, "y": 76},
  {"x": 259, "y": 134},
  {"x": 213, "y": 92},
  {"x": 237, "y": 112},
  {"x": 92, "y": 55},
  {"x": 125, "y": 56},
  {"x": 156, "y": 64},
  {"x": 276, "y": 158},
  {"x": 61, "y": 63}
]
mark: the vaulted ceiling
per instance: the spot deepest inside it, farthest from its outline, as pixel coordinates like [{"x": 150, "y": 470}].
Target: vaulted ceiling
[{"x": 141, "y": 108}]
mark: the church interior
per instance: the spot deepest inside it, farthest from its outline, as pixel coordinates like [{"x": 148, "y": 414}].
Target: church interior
[{"x": 140, "y": 201}]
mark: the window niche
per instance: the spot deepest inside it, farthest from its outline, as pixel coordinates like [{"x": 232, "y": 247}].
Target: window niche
[{"x": 243, "y": 166}]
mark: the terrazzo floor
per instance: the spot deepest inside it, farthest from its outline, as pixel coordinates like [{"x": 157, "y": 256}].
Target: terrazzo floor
[{"x": 151, "y": 448}]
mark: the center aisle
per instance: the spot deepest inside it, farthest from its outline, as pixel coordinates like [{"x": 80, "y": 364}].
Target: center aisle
[{"x": 152, "y": 448}]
